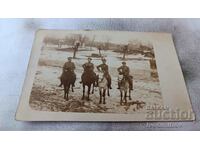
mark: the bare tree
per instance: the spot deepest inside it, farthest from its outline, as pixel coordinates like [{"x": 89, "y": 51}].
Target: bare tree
[
  {"x": 92, "y": 42},
  {"x": 107, "y": 44},
  {"x": 60, "y": 43},
  {"x": 125, "y": 51},
  {"x": 76, "y": 46},
  {"x": 100, "y": 48}
]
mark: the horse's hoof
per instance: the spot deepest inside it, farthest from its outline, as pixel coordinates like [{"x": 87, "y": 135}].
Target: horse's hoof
[
  {"x": 104, "y": 102},
  {"x": 130, "y": 98}
]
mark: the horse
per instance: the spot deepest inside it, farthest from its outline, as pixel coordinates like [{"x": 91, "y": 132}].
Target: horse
[
  {"x": 88, "y": 78},
  {"x": 103, "y": 87},
  {"x": 68, "y": 79},
  {"x": 124, "y": 89}
]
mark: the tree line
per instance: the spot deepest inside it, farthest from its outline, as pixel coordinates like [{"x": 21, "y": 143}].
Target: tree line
[{"x": 79, "y": 40}]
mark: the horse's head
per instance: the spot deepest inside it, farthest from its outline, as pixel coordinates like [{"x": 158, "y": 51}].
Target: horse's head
[
  {"x": 68, "y": 71},
  {"x": 100, "y": 76},
  {"x": 123, "y": 81},
  {"x": 120, "y": 77},
  {"x": 102, "y": 81},
  {"x": 87, "y": 69}
]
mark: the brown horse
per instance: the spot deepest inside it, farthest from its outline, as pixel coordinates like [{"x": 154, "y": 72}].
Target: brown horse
[
  {"x": 68, "y": 79},
  {"x": 89, "y": 79},
  {"x": 124, "y": 89}
]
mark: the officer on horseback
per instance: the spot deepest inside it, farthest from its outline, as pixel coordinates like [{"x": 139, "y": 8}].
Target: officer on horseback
[
  {"x": 88, "y": 68},
  {"x": 68, "y": 66},
  {"x": 104, "y": 68},
  {"x": 89, "y": 65},
  {"x": 125, "y": 71}
]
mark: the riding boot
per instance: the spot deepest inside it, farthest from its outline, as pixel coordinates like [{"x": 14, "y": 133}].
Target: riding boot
[
  {"x": 109, "y": 81},
  {"x": 131, "y": 84},
  {"x": 61, "y": 81},
  {"x": 118, "y": 85}
]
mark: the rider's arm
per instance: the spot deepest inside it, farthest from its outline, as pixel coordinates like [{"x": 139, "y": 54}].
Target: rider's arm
[
  {"x": 119, "y": 69},
  {"x": 98, "y": 67},
  {"x": 106, "y": 68},
  {"x": 64, "y": 66},
  {"x": 92, "y": 66},
  {"x": 83, "y": 65},
  {"x": 74, "y": 67},
  {"x": 128, "y": 70}
]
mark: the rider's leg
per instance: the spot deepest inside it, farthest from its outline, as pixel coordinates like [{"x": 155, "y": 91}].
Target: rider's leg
[
  {"x": 118, "y": 85},
  {"x": 61, "y": 80},
  {"x": 108, "y": 77},
  {"x": 75, "y": 79},
  {"x": 130, "y": 82},
  {"x": 82, "y": 78}
]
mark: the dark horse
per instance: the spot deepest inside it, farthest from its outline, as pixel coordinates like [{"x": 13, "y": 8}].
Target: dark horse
[
  {"x": 68, "y": 79},
  {"x": 89, "y": 78}
]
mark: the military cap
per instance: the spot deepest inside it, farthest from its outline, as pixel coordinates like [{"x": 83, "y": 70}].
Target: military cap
[
  {"x": 89, "y": 58},
  {"x": 69, "y": 58},
  {"x": 103, "y": 59}
]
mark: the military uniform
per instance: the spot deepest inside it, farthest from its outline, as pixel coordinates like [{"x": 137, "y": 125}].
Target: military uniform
[
  {"x": 125, "y": 71},
  {"x": 88, "y": 66},
  {"x": 68, "y": 66},
  {"x": 104, "y": 68}
]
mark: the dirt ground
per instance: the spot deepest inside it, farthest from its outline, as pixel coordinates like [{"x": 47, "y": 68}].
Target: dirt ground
[{"x": 47, "y": 96}]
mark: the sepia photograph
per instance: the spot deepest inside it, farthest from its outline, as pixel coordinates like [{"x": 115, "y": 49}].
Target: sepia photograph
[
  {"x": 103, "y": 76},
  {"x": 95, "y": 73}
]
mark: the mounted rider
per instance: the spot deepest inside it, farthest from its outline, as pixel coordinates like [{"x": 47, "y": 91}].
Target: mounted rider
[
  {"x": 68, "y": 66},
  {"x": 104, "y": 68},
  {"x": 89, "y": 68},
  {"x": 125, "y": 71}
]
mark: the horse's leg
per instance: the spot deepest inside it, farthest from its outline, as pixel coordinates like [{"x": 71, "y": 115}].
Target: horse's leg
[
  {"x": 83, "y": 97},
  {"x": 100, "y": 94},
  {"x": 121, "y": 94},
  {"x": 108, "y": 92},
  {"x": 89, "y": 92},
  {"x": 104, "y": 96},
  {"x": 93, "y": 88},
  {"x": 72, "y": 87},
  {"x": 130, "y": 95},
  {"x": 125, "y": 95},
  {"x": 68, "y": 92},
  {"x": 65, "y": 91}
]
